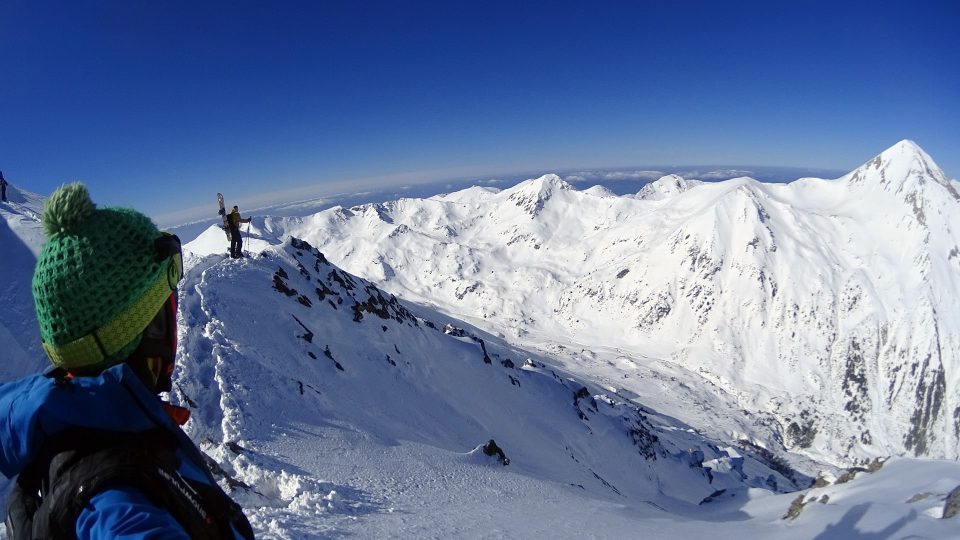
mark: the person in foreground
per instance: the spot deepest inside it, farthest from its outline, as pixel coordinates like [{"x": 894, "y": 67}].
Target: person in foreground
[{"x": 95, "y": 452}]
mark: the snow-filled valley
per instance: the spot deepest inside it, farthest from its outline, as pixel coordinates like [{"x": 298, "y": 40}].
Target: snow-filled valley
[{"x": 717, "y": 360}]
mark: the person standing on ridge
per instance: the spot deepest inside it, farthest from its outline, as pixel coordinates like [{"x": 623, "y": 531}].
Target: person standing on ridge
[
  {"x": 94, "y": 451},
  {"x": 236, "y": 241},
  {"x": 3, "y": 188}
]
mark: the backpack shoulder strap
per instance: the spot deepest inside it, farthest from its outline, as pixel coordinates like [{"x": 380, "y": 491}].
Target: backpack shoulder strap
[{"x": 147, "y": 462}]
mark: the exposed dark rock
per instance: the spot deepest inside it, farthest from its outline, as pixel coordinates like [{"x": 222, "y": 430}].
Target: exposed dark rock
[
  {"x": 328, "y": 354},
  {"x": 776, "y": 463},
  {"x": 281, "y": 286},
  {"x": 323, "y": 291},
  {"x": 344, "y": 279},
  {"x": 218, "y": 471},
  {"x": 605, "y": 483},
  {"x": 452, "y": 330},
  {"x": 849, "y": 475},
  {"x": 308, "y": 336},
  {"x": 507, "y": 364},
  {"x": 695, "y": 457},
  {"x": 821, "y": 481},
  {"x": 876, "y": 464},
  {"x": 467, "y": 290},
  {"x": 622, "y": 273},
  {"x": 713, "y": 496},
  {"x": 855, "y": 382},
  {"x": 929, "y": 396},
  {"x": 801, "y": 434},
  {"x": 796, "y": 507},
  {"x": 191, "y": 403},
  {"x": 583, "y": 393},
  {"x": 234, "y": 447},
  {"x": 952, "y": 505},
  {"x": 645, "y": 440}
]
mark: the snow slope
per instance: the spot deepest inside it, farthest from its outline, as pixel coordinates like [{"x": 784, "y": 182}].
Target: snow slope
[
  {"x": 21, "y": 236},
  {"x": 827, "y": 309},
  {"x": 336, "y": 409}
]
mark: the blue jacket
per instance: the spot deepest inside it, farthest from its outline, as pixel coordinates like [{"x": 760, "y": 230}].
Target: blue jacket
[{"x": 35, "y": 409}]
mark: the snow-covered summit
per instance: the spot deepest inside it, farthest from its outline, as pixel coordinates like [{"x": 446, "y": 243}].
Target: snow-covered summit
[
  {"x": 532, "y": 195},
  {"x": 600, "y": 191},
  {"x": 902, "y": 167},
  {"x": 665, "y": 187}
]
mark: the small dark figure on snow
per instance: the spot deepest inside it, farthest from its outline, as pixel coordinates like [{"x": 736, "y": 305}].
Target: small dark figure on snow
[
  {"x": 3, "y": 188},
  {"x": 491, "y": 449},
  {"x": 92, "y": 449},
  {"x": 236, "y": 241}
]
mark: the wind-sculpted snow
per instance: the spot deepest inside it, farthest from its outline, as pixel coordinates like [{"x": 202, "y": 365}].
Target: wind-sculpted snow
[
  {"x": 286, "y": 342},
  {"x": 827, "y": 309}
]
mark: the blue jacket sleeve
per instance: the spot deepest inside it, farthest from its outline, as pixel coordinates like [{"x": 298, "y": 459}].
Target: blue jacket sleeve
[{"x": 126, "y": 513}]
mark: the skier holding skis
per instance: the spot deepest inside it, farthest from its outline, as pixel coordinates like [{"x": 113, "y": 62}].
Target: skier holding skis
[
  {"x": 236, "y": 241},
  {"x": 95, "y": 452}
]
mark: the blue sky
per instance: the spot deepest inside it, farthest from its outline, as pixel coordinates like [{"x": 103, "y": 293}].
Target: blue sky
[{"x": 159, "y": 105}]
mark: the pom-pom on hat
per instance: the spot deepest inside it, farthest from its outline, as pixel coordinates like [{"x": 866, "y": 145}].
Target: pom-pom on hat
[{"x": 98, "y": 281}]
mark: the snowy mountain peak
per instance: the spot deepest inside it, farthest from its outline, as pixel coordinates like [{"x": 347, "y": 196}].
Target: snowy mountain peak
[
  {"x": 600, "y": 191},
  {"x": 532, "y": 195},
  {"x": 546, "y": 184},
  {"x": 901, "y": 168},
  {"x": 665, "y": 187}
]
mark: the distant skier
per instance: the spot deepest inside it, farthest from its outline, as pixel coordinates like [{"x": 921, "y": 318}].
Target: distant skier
[
  {"x": 95, "y": 452},
  {"x": 236, "y": 241},
  {"x": 3, "y": 188}
]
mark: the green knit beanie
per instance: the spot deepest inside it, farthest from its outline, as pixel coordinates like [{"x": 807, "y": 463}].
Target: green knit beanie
[{"x": 98, "y": 281}]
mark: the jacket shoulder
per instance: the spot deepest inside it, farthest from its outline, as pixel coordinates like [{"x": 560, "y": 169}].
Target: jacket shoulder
[{"x": 125, "y": 512}]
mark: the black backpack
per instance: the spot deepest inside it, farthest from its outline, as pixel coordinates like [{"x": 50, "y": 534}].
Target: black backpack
[{"x": 49, "y": 495}]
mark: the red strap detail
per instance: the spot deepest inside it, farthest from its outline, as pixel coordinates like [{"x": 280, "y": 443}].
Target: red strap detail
[{"x": 180, "y": 415}]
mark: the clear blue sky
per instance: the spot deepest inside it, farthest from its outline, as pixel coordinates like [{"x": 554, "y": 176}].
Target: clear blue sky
[{"x": 160, "y": 105}]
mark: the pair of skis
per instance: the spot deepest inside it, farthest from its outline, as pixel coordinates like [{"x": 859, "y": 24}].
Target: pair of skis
[{"x": 223, "y": 216}]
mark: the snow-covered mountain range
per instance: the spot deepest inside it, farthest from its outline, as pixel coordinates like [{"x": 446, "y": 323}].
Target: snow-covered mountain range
[
  {"x": 638, "y": 359},
  {"x": 825, "y": 308}
]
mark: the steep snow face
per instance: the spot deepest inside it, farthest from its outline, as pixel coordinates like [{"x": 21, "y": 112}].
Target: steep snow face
[
  {"x": 827, "y": 308},
  {"x": 286, "y": 344},
  {"x": 21, "y": 236}
]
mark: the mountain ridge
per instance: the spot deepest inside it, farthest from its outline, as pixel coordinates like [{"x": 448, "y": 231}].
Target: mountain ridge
[{"x": 827, "y": 305}]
